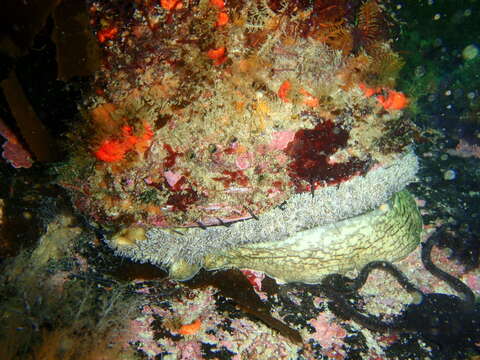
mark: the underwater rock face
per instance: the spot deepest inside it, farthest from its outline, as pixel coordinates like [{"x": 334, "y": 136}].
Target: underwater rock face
[{"x": 213, "y": 124}]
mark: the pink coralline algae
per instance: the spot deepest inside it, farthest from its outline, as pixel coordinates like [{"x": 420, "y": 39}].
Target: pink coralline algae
[
  {"x": 244, "y": 161},
  {"x": 13, "y": 151},
  {"x": 190, "y": 350},
  {"x": 255, "y": 278},
  {"x": 328, "y": 333},
  {"x": 473, "y": 281},
  {"x": 141, "y": 328}
]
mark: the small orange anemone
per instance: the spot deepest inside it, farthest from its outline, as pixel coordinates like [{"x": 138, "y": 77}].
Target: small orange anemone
[
  {"x": 112, "y": 150},
  {"x": 395, "y": 100},
  {"x": 219, "y": 4},
  {"x": 222, "y": 19},
  {"x": 284, "y": 90},
  {"x": 217, "y": 55},
  {"x": 107, "y": 34},
  {"x": 191, "y": 328},
  {"x": 368, "y": 91},
  {"x": 171, "y": 4}
]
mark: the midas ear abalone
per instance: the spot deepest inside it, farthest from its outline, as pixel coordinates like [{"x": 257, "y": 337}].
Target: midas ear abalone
[{"x": 247, "y": 134}]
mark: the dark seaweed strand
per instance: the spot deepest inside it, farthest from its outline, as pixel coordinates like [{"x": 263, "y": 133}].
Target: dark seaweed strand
[
  {"x": 368, "y": 321},
  {"x": 336, "y": 287},
  {"x": 455, "y": 283},
  {"x": 371, "y": 322},
  {"x": 388, "y": 267}
]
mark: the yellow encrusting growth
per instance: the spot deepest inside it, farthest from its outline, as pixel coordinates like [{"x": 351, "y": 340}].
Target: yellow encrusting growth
[{"x": 128, "y": 236}]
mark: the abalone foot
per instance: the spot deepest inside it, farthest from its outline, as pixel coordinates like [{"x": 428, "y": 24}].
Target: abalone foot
[{"x": 389, "y": 232}]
